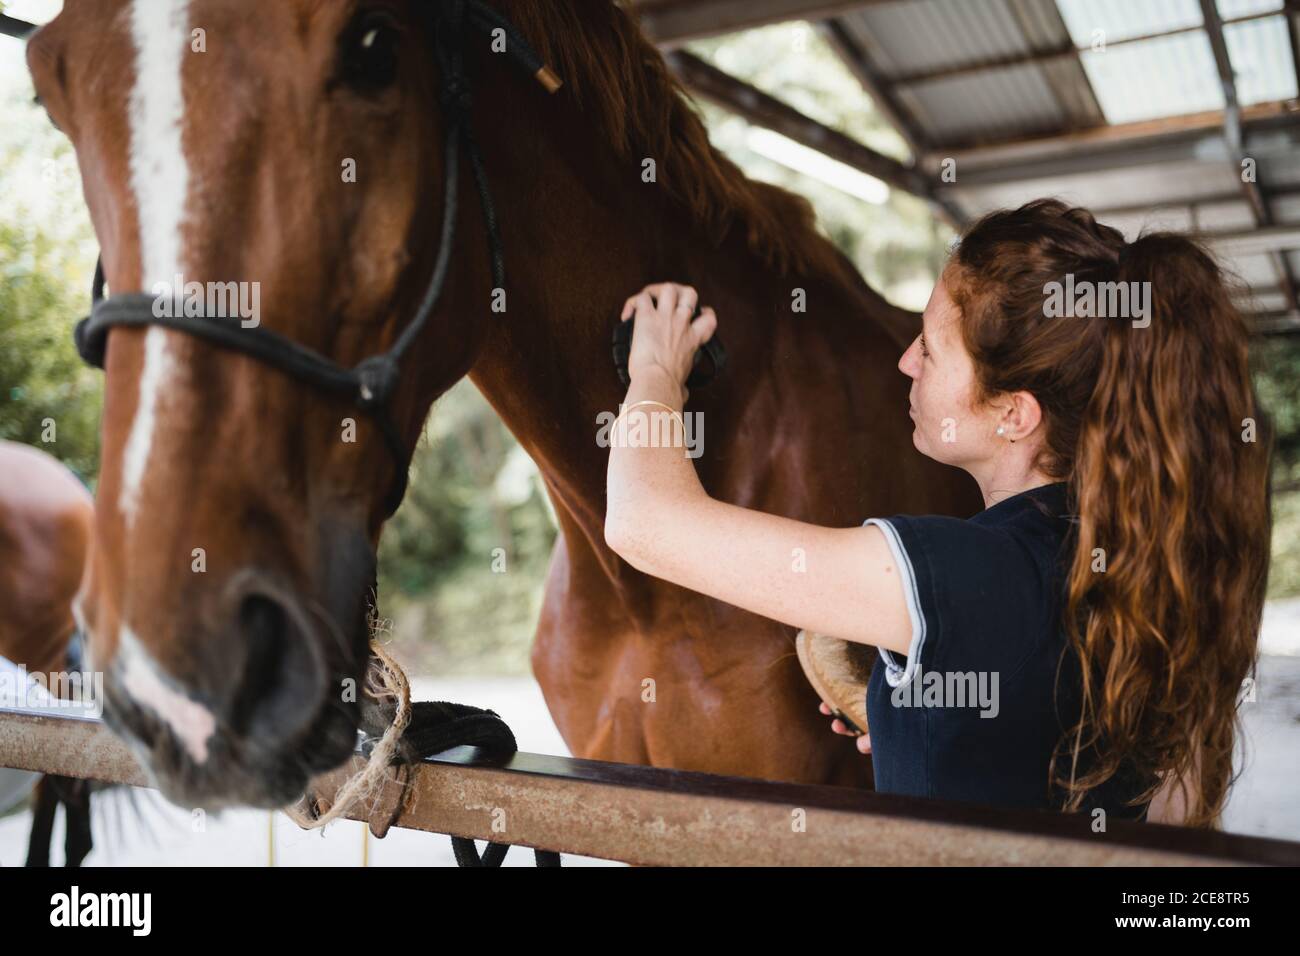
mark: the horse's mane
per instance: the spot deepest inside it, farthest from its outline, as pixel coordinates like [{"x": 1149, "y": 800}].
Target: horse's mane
[{"x": 625, "y": 89}]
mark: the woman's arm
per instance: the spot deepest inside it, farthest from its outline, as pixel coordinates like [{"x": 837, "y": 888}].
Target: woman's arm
[{"x": 839, "y": 581}]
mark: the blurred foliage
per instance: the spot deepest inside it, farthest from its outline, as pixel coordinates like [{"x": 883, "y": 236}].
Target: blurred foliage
[
  {"x": 48, "y": 398},
  {"x": 461, "y": 563},
  {"x": 46, "y": 259},
  {"x": 1275, "y": 362},
  {"x": 470, "y": 502}
]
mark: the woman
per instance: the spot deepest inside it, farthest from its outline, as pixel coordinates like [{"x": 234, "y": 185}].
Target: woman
[{"x": 1082, "y": 642}]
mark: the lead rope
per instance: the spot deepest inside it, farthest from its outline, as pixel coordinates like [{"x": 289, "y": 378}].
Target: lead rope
[
  {"x": 384, "y": 679},
  {"x": 418, "y": 730}
]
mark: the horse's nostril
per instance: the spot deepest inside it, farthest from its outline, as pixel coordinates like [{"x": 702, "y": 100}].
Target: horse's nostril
[
  {"x": 264, "y": 626},
  {"x": 280, "y": 685}
]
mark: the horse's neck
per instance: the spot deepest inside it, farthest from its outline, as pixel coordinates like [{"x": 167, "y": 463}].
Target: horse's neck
[
  {"x": 581, "y": 233},
  {"x": 547, "y": 369}
]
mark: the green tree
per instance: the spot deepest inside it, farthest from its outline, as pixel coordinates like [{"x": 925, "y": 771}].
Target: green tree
[{"x": 48, "y": 398}]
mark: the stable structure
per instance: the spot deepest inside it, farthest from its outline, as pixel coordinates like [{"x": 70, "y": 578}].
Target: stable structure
[
  {"x": 1170, "y": 114},
  {"x": 1174, "y": 113},
  {"x": 657, "y": 817}
]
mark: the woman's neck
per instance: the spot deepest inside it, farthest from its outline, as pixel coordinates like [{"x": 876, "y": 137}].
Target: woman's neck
[{"x": 1005, "y": 480}]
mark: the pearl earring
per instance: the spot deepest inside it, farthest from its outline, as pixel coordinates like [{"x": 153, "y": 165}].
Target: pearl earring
[{"x": 1001, "y": 430}]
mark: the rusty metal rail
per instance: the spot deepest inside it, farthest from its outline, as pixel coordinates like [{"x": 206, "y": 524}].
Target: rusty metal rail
[{"x": 654, "y": 816}]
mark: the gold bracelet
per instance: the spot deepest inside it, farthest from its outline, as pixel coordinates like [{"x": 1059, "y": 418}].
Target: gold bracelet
[{"x": 647, "y": 401}]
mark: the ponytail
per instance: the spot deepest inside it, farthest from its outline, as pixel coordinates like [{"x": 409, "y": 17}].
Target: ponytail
[
  {"x": 1152, "y": 419},
  {"x": 1171, "y": 483}
]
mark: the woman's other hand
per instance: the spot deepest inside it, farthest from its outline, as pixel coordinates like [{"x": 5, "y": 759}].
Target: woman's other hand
[{"x": 837, "y": 725}]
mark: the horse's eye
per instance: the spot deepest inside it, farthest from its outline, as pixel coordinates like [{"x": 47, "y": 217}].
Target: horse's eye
[{"x": 370, "y": 52}]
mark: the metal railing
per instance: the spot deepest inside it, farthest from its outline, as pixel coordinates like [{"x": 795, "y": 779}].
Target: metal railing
[{"x": 654, "y": 816}]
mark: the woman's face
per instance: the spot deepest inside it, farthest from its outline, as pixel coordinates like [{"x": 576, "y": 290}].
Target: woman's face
[{"x": 947, "y": 427}]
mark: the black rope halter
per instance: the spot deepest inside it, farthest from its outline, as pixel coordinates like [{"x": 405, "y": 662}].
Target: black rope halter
[{"x": 372, "y": 382}]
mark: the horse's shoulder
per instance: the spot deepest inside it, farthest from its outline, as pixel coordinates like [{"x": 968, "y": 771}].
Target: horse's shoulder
[{"x": 38, "y": 490}]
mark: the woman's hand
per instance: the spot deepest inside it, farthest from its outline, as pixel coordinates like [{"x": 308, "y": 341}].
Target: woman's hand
[
  {"x": 837, "y": 725},
  {"x": 664, "y": 336}
]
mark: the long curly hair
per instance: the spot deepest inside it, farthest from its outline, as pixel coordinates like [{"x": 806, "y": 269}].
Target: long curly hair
[{"x": 1154, "y": 423}]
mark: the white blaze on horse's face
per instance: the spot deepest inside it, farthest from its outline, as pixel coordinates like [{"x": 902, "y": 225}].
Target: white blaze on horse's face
[
  {"x": 160, "y": 182},
  {"x": 191, "y": 722}
]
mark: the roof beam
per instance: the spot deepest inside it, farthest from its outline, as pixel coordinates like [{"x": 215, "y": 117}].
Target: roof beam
[
  {"x": 1171, "y": 129},
  {"x": 1292, "y": 9},
  {"x": 1186, "y": 205},
  {"x": 671, "y": 23},
  {"x": 859, "y": 64},
  {"x": 1082, "y": 110},
  {"x": 1206, "y": 150},
  {"x": 763, "y": 110},
  {"x": 1253, "y": 242},
  {"x": 1232, "y": 132},
  {"x": 1275, "y": 323},
  {"x": 1063, "y": 52}
]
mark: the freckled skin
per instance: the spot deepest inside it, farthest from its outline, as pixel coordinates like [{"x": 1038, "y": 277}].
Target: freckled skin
[{"x": 942, "y": 383}]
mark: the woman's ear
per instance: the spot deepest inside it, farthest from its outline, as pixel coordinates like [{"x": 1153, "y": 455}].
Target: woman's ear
[{"x": 1020, "y": 414}]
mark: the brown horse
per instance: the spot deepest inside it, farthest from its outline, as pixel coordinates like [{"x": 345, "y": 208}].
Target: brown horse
[
  {"x": 236, "y": 523},
  {"x": 46, "y": 517}
]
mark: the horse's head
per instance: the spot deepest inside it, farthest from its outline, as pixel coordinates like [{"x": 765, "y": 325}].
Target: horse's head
[{"x": 288, "y": 158}]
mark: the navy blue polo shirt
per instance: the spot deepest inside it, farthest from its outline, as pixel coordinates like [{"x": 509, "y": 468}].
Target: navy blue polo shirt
[{"x": 973, "y": 712}]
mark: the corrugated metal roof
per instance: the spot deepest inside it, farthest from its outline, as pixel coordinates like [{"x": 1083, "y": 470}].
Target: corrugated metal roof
[
  {"x": 1260, "y": 52},
  {"x": 921, "y": 35},
  {"x": 1268, "y": 301},
  {"x": 1117, "y": 72},
  {"x": 1123, "y": 19},
  {"x": 993, "y": 104},
  {"x": 1133, "y": 224},
  {"x": 1073, "y": 90},
  {"x": 1256, "y": 271},
  {"x": 1286, "y": 209},
  {"x": 913, "y": 37},
  {"x": 1231, "y": 216},
  {"x": 1146, "y": 79},
  {"x": 1126, "y": 81},
  {"x": 1165, "y": 184},
  {"x": 1280, "y": 167},
  {"x": 1230, "y": 9}
]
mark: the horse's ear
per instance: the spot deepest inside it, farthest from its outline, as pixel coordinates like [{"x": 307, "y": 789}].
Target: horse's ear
[{"x": 48, "y": 66}]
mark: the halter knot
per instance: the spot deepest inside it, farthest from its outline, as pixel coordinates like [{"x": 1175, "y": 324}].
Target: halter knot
[
  {"x": 91, "y": 344},
  {"x": 376, "y": 379},
  {"x": 455, "y": 94}
]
